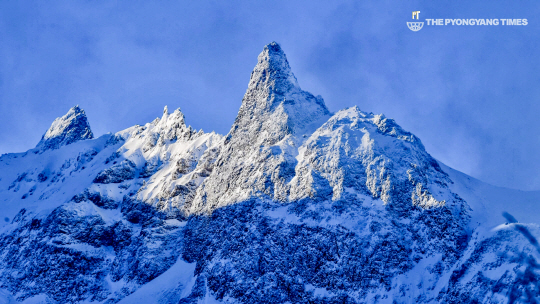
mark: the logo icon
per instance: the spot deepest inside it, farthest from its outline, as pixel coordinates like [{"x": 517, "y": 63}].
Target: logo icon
[{"x": 415, "y": 26}]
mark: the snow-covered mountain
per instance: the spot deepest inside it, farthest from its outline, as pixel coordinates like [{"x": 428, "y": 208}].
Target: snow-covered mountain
[
  {"x": 294, "y": 205},
  {"x": 66, "y": 130}
]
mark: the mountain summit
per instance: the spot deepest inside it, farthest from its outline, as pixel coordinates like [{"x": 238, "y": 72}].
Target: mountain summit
[
  {"x": 273, "y": 120},
  {"x": 66, "y": 130},
  {"x": 273, "y": 72},
  {"x": 274, "y": 101}
]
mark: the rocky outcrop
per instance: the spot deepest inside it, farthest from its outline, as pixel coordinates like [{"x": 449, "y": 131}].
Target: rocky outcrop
[{"x": 66, "y": 130}]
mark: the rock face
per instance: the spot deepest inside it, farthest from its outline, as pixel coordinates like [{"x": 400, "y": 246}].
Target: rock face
[
  {"x": 294, "y": 205},
  {"x": 66, "y": 130},
  {"x": 257, "y": 157}
]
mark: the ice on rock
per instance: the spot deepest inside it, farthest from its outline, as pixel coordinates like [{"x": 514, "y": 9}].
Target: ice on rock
[
  {"x": 285, "y": 145},
  {"x": 294, "y": 205},
  {"x": 274, "y": 104},
  {"x": 258, "y": 155},
  {"x": 66, "y": 130}
]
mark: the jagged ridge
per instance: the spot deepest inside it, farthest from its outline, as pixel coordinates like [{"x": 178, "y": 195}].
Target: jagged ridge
[{"x": 295, "y": 204}]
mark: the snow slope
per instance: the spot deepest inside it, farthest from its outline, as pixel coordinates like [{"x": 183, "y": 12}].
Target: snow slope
[{"x": 490, "y": 202}]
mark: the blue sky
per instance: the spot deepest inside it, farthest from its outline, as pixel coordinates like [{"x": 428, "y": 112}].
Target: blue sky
[{"x": 470, "y": 93}]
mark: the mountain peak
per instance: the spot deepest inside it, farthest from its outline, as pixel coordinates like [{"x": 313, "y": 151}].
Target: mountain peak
[
  {"x": 176, "y": 117},
  {"x": 274, "y": 103},
  {"x": 273, "y": 53},
  {"x": 273, "y": 93},
  {"x": 272, "y": 72},
  {"x": 66, "y": 130},
  {"x": 273, "y": 120},
  {"x": 274, "y": 47}
]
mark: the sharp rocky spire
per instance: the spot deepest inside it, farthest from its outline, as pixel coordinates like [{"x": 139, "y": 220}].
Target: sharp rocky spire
[
  {"x": 274, "y": 101},
  {"x": 66, "y": 130},
  {"x": 272, "y": 72}
]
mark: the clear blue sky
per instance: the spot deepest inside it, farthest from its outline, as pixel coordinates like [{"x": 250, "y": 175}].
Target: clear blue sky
[{"x": 471, "y": 94}]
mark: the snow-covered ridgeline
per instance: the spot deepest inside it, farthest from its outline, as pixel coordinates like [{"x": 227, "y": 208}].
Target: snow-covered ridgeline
[{"x": 295, "y": 204}]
